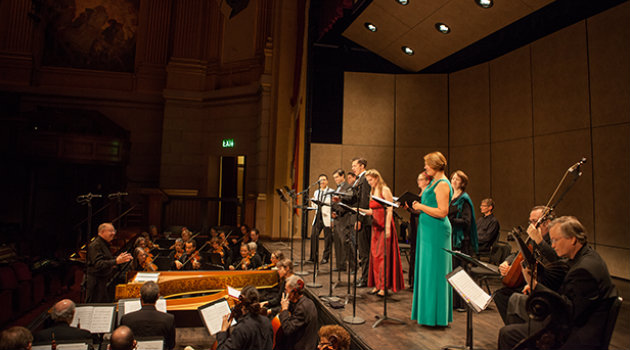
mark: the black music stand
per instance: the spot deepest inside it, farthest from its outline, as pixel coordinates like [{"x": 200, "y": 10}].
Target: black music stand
[
  {"x": 354, "y": 319},
  {"x": 386, "y": 204}
]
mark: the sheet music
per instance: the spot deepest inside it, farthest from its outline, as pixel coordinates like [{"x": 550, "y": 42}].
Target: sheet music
[
  {"x": 160, "y": 305},
  {"x": 132, "y": 305},
  {"x": 149, "y": 344},
  {"x": 213, "y": 315},
  {"x": 70, "y": 346},
  {"x": 469, "y": 290},
  {"x": 82, "y": 317},
  {"x": 146, "y": 277},
  {"x": 233, "y": 292},
  {"x": 351, "y": 208},
  {"x": 383, "y": 201},
  {"x": 102, "y": 318}
]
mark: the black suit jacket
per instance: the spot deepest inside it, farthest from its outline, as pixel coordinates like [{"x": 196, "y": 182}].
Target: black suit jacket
[
  {"x": 62, "y": 331},
  {"x": 250, "y": 333},
  {"x": 100, "y": 269},
  {"x": 583, "y": 291},
  {"x": 299, "y": 326},
  {"x": 361, "y": 193},
  {"x": 148, "y": 322}
]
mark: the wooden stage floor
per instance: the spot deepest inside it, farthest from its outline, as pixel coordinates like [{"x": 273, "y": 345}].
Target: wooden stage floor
[{"x": 410, "y": 335}]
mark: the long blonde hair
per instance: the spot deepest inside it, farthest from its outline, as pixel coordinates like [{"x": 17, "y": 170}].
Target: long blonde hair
[{"x": 378, "y": 189}]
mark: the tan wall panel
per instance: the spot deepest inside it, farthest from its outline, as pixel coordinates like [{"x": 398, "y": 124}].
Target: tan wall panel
[
  {"x": 475, "y": 162},
  {"x": 410, "y": 163},
  {"x": 513, "y": 181},
  {"x": 611, "y": 151},
  {"x": 469, "y": 106},
  {"x": 553, "y": 155},
  {"x": 609, "y": 63},
  {"x": 325, "y": 158},
  {"x": 422, "y": 110},
  {"x": 560, "y": 81},
  {"x": 511, "y": 95},
  {"x": 617, "y": 260},
  {"x": 378, "y": 157},
  {"x": 368, "y": 109}
]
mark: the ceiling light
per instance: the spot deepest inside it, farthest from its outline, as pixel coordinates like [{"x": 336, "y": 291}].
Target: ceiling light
[
  {"x": 371, "y": 27},
  {"x": 407, "y": 50},
  {"x": 403, "y": 2},
  {"x": 485, "y": 3},
  {"x": 442, "y": 28}
]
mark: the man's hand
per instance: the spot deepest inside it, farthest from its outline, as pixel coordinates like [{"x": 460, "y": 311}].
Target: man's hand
[
  {"x": 526, "y": 289},
  {"x": 123, "y": 258},
  {"x": 534, "y": 234},
  {"x": 284, "y": 302},
  {"x": 334, "y": 215},
  {"x": 504, "y": 268},
  {"x": 225, "y": 324},
  {"x": 196, "y": 264},
  {"x": 178, "y": 264}
]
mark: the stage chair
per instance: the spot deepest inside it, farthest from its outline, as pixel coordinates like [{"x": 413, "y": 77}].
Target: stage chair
[{"x": 612, "y": 320}]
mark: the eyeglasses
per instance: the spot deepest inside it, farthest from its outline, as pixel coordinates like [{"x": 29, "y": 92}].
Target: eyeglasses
[{"x": 554, "y": 240}]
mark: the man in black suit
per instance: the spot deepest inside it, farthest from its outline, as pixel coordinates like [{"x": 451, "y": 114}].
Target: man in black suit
[
  {"x": 102, "y": 265},
  {"x": 341, "y": 224},
  {"x": 582, "y": 292},
  {"x": 361, "y": 193},
  {"x": 62, "y": 314},
  {"x": 298, "y": 318},
  {"x": 149, "y": 322}
]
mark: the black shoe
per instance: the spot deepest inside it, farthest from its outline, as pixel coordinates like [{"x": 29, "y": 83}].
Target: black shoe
[
  {"x": 324, "y": 261},
  {"x": 361, "y": 284}
]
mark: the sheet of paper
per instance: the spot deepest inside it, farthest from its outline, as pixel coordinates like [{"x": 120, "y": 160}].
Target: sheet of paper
[
  {"x": 233, "y": 292},
  {"x": 82, "y": 317},
  {"x": 160, "y": 305},
  {"x": 213, "y": 316},
  {"x": 132, "y": 305},
  {"x": 73, "y": 346},
  {"x": 470, "y": 290},
  {"x": 102, "y": 319},
  {"x": 146, "y": 277},
  {"x": 150, "y": 344}
]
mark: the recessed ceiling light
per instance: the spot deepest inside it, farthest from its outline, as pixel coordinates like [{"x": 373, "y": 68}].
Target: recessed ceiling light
[
  {"x": 485, "y": 3},
  {"x": 442, "y": 28},
  {"x": 403, "y": 2},
  {"x": 371, "y": 27},
  {"x": 407, "y": 50}
]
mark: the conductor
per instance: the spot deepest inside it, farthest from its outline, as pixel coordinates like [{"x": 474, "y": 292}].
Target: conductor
[{"x": 102, "y": 265}]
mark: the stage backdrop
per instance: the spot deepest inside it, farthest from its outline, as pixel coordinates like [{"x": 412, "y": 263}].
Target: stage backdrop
[{"x": 514, "y": 125}]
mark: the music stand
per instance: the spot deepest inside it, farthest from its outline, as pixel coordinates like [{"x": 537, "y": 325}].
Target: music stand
[
  {"x": 283, "y": 199},
  {"x": 354, "y": 319},
  {"x": 386, "y": 204}
]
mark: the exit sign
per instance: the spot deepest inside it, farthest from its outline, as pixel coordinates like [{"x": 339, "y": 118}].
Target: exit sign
[{"x": 228, "y": 143}]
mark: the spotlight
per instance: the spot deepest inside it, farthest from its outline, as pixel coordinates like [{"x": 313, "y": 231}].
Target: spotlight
[
  {"x": 403, "y": 2},
  {"x": 442, "y": 28},
  {"x": 485, "y": 3},
  {"x": 371, "y": 27},
  {"x": 407, "y": 50}
]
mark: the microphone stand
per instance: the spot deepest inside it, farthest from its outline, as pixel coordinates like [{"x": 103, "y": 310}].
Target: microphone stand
[
  {"x": 354, "y": 319},
  {"x": 315, "y": 238},
  {"x": 385, "y": 204},
  {"x": 87, "y": 199},
  {"x": 284, "y": 199},
  {"x": 293, "y": 195}
]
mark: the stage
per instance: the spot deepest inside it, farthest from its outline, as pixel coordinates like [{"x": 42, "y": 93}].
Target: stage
[{"x": 410, "y": 335}]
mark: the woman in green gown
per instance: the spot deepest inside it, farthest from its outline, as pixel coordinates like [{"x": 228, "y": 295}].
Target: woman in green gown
[{"x": 432, "y": 295}]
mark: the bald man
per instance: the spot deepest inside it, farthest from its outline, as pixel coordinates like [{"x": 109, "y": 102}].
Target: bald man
[
  {"x": 102, "y": 266},
  {"x": 62, "y": 313},
  {"x": 122, "y": 339}
]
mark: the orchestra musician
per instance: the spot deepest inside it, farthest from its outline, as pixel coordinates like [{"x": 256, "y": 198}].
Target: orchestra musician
[
  {"x": 285, "y": 270},
  {"x": 190, "y": 260},
  {"x": 298, "y": 318},
  {"x": 333, "y": 337},
  {"x": 254, "y": 235},
  {"x": 252, "y": 330},
  {"x": 217, "y": 248},
  {"x": 142, "y": 262},
  {"x": 177, "y": 250},
  {"x": 249, "y": 259},
  {"x": 275, "y": 257}
]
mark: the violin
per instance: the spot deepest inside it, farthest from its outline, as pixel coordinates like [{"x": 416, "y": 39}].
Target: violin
[
  {"x": 266, "y": 266},
  {"x": 148, "y": 265}
]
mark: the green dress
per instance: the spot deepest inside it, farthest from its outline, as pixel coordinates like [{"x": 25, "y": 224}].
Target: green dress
[{"x": 432, "y": 295}]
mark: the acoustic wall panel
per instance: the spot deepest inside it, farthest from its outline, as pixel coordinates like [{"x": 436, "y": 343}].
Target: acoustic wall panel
[
  {"x": 474, "y": 161},
  {"x": 560, "y": 81},
  {"x": 611, "y": 171},
  {"x": 469, "y": 106},
  {"x": 609, "y": 65},
  {"x": 511, "y": 95}
]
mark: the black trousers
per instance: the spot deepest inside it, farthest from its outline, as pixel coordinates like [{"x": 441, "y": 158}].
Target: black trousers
[
  {"x": 365, "y": 238},
  {"x": 328, "y": 240}
]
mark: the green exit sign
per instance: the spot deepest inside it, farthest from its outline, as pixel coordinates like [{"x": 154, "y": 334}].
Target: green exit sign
[{"x": 228, "y": 143}]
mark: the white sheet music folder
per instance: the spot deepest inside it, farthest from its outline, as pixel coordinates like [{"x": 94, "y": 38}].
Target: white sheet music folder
[
  {"x": 212, "y": 315},
  {"x": 385, "y": 202},
  {"x": 142, "y": 277},
  {"x": 470, "y": 291},
  {"x": 96, "y": 318}
]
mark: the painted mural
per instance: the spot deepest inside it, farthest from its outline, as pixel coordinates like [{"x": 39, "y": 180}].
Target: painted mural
[{"x": 91, "y": 34}]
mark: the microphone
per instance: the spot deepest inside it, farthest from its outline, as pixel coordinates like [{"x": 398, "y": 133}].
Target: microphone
[
  {"x": 88, "y": 197},
  {"x": 281, "y": 194},
  {"x": 577, "y": 165},
  {"x": 117, "y": 194},
  {"x": 289, "y": 191}
]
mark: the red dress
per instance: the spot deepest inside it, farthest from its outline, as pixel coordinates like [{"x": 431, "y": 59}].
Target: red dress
[{"x": 395, "y": 279}]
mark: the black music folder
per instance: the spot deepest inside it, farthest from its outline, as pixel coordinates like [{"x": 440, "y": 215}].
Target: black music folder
[{"x": 408, "y": 198}]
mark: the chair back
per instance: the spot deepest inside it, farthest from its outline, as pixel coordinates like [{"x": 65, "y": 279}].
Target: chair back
[{"x": 615, "y": 306}]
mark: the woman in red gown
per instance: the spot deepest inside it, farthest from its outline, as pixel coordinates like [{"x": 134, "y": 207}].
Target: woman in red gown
[{"x": 383, "y": 225}]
